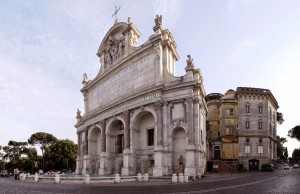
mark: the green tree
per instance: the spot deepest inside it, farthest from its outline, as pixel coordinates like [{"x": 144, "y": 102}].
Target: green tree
[
  {"x": 280, "y": 119},
  {"x": 1, "y": 157},
  {"x": 61, "y": 154},
  {"x": 295, "y": 132},
  {"x": 286, "y": 153},
  {"x": 30, "y": 161},
  {"x": 43, "y": 140},
  {"x": 281, "y": 150},
  {"x": 14, "y": 150},
  {"x": 1, "y": 154},
  {"x": 296, "y": 153}
]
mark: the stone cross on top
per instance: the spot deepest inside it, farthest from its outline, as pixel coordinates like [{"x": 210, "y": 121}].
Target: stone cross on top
[{"x": 115, "y": 14}]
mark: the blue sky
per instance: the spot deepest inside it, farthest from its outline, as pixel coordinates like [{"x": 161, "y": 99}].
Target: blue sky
[{"x": 46, "y": 46}]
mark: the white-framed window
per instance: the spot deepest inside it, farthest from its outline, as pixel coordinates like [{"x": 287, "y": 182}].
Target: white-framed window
[
  {"x": 260, "y": 149},
  {"x": 247, "y": 149}
]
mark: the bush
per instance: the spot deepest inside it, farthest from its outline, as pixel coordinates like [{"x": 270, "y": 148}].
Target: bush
[
  {"x": 241, "y": 168},
  {"x": 266, "y": 168},
  {"x": 209, "y": 166}
]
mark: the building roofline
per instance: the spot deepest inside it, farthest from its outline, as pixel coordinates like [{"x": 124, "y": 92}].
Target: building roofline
[{"x": 259, "y": 91}]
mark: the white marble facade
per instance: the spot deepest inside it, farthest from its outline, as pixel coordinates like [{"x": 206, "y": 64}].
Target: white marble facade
[{"x": 138, "y": 116}]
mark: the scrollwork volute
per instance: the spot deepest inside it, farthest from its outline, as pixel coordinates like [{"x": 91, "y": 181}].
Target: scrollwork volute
[
  {"x": 126, "y": 112},
  {"x": 158, "y": 103},
  {"x": 189, "y": 99}
]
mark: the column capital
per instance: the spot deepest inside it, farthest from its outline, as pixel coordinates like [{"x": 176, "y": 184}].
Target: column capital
[
  {"x": 126, "y": 112},
  {"x": 189, "y": 99},
  {"x": 159, "y": 103}
]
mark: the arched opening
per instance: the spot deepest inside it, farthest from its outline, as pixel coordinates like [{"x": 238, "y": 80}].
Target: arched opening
[
  {"x": 179, "y": 140},
  {"x": 116, "y": 146},
  {"x": 217, "y": 153},
  {"x": 144, "y": 133},
  {"x": 94, "y": 149}
]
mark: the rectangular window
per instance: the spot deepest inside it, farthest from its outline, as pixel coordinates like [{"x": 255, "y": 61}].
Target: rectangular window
[
  {"x": 247, "y": 109},
  {"x": 227, "y": 131},
  {"x": 260, "y": 149},
  {"x": 260, "y": 125},
  {"x": 247, "y": 124},
  {"x": 120, "y": 143},
  {"x": 231, "y": 130},
  {"x": 231, "y": 112},
  {"x": 260, "y": 109},
  {"x": 150, "y": 137},
  {"x": 247, "y": 149}
]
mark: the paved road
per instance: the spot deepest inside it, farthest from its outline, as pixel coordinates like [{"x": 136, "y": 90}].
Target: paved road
[{"x": 280, "y": 181}]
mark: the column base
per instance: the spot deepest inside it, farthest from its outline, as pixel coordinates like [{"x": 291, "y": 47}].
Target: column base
[
  {"x": 85, "y": 169},
  {"x": 190, "y": 168},
  {"x": 103, "y": 161},
  {"x": 78, "y": 166},
  {"x": 126, "y": 157},
  {"x": 158, "y": 156}
]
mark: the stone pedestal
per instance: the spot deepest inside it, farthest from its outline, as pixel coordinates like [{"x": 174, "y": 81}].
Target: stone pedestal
[
  {"x": 78, "y": 166},
  {"x": 190, "y": 168},
  {"x": 165, "y": 161},
  {"x": 158, "y": 165},
  {"x": 102, "y": 165},
  {"x": 174, "y": 178},
  {"x": 126, "y": 158},
  {"x": 85, "y": 169}
]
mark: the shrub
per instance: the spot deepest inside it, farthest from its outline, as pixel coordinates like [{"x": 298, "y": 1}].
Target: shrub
[{"x": 241, "y": 168}]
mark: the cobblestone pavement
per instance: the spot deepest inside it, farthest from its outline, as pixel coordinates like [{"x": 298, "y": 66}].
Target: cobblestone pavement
[{"x": 279, "y": 181}]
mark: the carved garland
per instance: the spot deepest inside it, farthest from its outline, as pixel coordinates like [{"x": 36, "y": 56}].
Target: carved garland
[{"x": 178, "y": 123}]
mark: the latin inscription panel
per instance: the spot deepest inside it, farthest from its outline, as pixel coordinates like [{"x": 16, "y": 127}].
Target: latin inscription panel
[{"x": 135, "y": 75}]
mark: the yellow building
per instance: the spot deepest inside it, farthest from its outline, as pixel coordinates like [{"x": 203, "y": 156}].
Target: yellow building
[
  {"x": 222, "y": 121},
  {"x": 242, "y": 129}
]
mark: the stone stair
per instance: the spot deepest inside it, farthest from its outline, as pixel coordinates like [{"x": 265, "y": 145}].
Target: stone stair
[{"x": 222, "y": 166}]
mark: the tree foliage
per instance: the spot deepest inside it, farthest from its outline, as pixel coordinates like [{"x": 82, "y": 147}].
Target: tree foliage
[
  {"x": 296, "y": 153},
  {"x": 295, "y": 132},
  {"x": 42, "y": 139},
  {"x": 282, "y": 152},
  {"x": 280, "y": 118},
  {"x": 1, "y": 154},
  {"x": 61, "y": 154},
  {"x": 57, "y": 154},
  {"x": 14, "y": 150}
]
